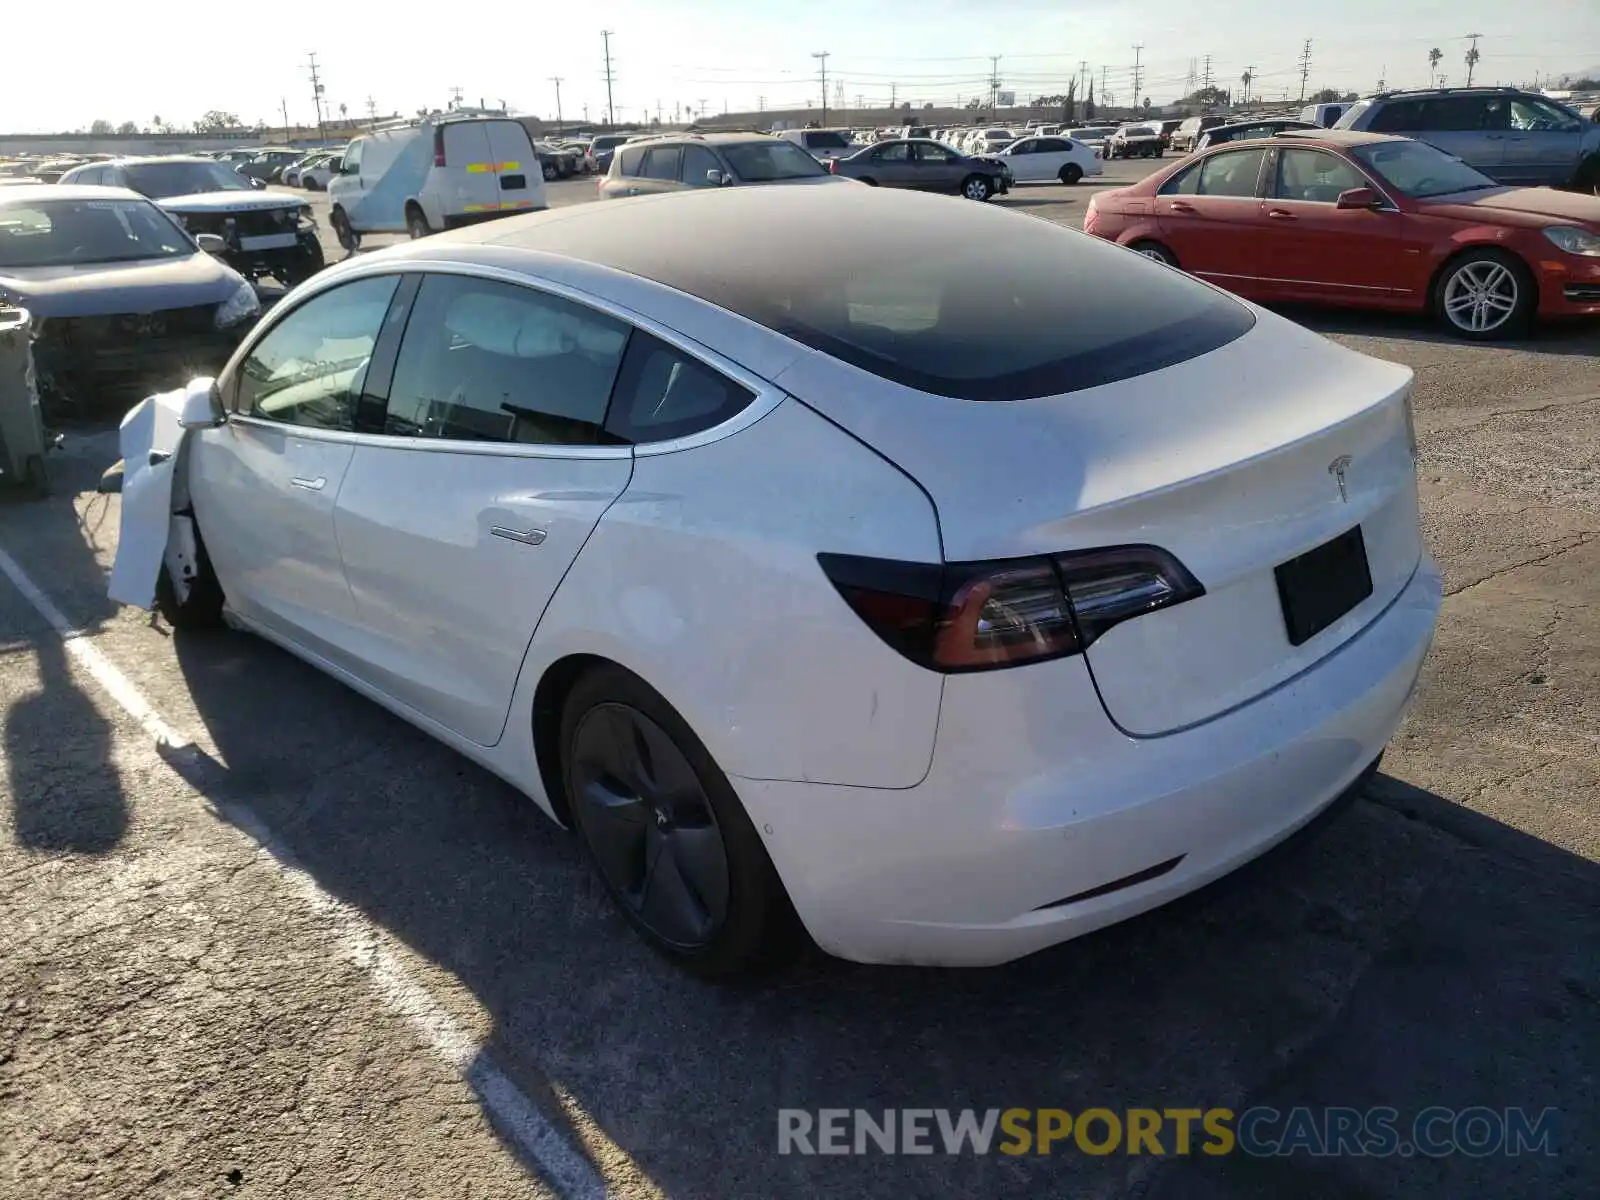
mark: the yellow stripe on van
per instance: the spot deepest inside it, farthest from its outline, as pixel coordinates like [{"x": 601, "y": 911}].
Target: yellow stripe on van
[
  {"x": 511, "y": 166},
  {"x": 479, "y": 168}
]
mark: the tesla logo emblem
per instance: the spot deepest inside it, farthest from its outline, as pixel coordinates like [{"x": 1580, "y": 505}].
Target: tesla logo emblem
[{"x": 1337, "y": 469}]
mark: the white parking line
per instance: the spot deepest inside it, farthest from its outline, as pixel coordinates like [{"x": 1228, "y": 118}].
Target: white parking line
[{"x": 364, "y": 943}]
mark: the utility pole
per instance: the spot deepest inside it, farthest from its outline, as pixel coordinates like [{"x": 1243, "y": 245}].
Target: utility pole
[
  {"x": 455, "y": 97},
  {"x": 556, "y": 79},
  {"x": 1104, "y": 99},
  {"x": 1083, "y": 75},
  {"x": 1383, "y": 77},
  {"x": 1138, "y": 73},
  {"x": 611, "y": 112},
  {"x": 1305, "y": 67},
  {"x": 994, "y": 84},
  {"x": 372, "y": 110},
  {"x": 316, "y": 94},
  {"x": 1206, "y": 74},
  {"x": 285, "y": 103},
  {"x": 761, "y": 104},
  {"x": 1472, "y": 56},
  {"x": 893, "y": 94},
  {"x": 822, "y": 63}
]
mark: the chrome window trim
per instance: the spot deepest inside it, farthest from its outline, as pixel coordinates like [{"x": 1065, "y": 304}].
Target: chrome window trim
[{"x": 766, "y": 396}]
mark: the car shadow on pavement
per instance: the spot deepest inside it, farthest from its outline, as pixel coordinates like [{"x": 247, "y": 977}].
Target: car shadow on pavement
[
  {"x": 1402, "y": 951},
  {"x": 66, "y": 794},
  {"x": 1555, "y": 337}
]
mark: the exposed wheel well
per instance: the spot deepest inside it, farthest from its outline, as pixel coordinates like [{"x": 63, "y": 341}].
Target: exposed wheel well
[
  {"x": 1528, "y": 276},
  {"x": 549, "y": 698}
]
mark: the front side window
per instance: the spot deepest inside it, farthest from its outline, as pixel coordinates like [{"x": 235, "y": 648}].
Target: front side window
[
  {"x": 1314, "y": 176},
  {"x": 1420, "y": 170},
  {"x": 931, "y": 152},
  {"x": 697, "y": 160},
  {"x": 310, "y": 367},
  {"x": 1539, "y": 116},
  {"x": 352, "y": 158},
  {"x": 492, "y": 362},
  {"x": 663, "y": 394}
]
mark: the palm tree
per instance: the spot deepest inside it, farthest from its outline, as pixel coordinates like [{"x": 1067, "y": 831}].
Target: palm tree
[
  {"x": 1472, "y": 61},
  {"x": 1434, "y": 56},
  {"x": 1245, "y": 79}
]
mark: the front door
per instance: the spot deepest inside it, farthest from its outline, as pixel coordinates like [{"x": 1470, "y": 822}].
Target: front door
[
  {"x": 1542, "y": 144},
  {"x": 1211, "y": 215},
  {"x": 264, "y": 485},
  {"x": 936, "y": 168},
  {"x": 1026, "y": 163},
  {"x": 457, "y": 526},
  {"x": 1310, "y": 249},
  {"x": 891, "y": 164}
]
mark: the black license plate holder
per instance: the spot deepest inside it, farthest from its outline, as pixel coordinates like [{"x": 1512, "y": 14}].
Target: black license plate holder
[{"x": 1321, "y": 585}]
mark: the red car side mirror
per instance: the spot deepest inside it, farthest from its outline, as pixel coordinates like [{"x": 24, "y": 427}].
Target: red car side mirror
[{"x": 1358, "y": 198}]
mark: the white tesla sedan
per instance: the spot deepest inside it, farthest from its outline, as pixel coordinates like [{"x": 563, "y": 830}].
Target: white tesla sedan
[{"x": 945, "y": 578}]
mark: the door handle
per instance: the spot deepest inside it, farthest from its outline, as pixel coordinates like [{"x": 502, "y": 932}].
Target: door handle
[
  {"x": 310, "y": 485},
  {"x": 528, "y": 537},
  {"x": 1182, "y": 206},
  {"x": 1280, "y": 214}
]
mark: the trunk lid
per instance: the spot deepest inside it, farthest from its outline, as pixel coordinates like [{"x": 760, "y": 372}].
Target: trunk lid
[{"x": 1224, "y": 461}]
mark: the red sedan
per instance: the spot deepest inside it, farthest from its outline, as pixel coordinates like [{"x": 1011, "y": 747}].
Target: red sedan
[{"x": 1336, "y": 217}]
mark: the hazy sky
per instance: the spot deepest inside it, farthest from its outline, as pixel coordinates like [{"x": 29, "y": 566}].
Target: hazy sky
[{"x": 68, "y": 64}]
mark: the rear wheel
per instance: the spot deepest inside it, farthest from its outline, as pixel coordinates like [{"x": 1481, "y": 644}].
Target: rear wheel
[
  {"x": 1156, "y": 251},
  {"x": 1071, "y": 174},
  {"x": 548, "y": 170},
  {"x": 977, "y": 187},
  {"x": 668, "y": 835},
  {"x": 416, "y": 223},
  {"x": 1484, "y": 295},
  {"x": 1587, "y": 180}
]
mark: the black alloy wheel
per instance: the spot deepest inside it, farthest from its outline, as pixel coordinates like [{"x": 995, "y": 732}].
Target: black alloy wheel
[
  {"x": 651, "y": 826},
  {"x": 672, "y": 843}
]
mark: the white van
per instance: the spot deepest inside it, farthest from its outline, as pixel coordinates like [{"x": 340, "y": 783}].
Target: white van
[
  {"x": 1325, "y": 116},
  {"x": 441, "y": 172}
]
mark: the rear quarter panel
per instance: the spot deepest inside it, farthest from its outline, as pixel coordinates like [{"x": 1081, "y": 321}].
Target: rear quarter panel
[{"x": 703, "y": 580}]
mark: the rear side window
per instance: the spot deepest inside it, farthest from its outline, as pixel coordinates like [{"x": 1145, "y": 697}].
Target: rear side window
[
  {"x": 661, "y": 162},
  {"x": 630, "y": 159},
  {"x": 1231, "y": 173},
  {"x": 826, "y": 139},
  {"x": 492, "y": 362},
  {"x": 663, "y": 393}
]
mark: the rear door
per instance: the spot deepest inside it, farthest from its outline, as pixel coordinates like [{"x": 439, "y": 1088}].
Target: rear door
[
  {"x": 264, "y": 485},
  {"x": 660, "y": 171},
  {"x": 473, "y": 187},
  {"x": 516, "y": 166},
  {"x": 458, "y": 520},
  {"x": 1211, "y": 216},
  {"x": 1312, "y": 250}
]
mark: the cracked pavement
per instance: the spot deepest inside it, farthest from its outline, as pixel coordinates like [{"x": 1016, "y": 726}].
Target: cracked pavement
[{"x": 226, "y": 972}]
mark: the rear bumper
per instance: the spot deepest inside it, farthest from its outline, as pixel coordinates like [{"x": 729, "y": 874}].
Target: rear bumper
[
  {"x": 462, "y": 220},
  {"x": 1039, "y": 821}
]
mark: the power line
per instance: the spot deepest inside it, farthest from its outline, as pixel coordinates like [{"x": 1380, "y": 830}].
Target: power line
[
  {"x": 611, "y": 111},
  {"x": 1305, "y": 67}
]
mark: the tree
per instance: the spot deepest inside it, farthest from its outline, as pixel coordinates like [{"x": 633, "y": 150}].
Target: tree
[
  {"x": 974, "y": 103},
  {"x": 100, "y": 128},
  {"x": 1206, "y": 97},
  {"x": 1434, "y": 56},
  {"x": 1088, "y": 103},
  {"x": 1246, "y": 79},
  {"x": 217, "y": 121},
  {"x": 127, "y": 129},
  {"x": 1147, "y": 104},
  {"x": 1325, "y": 96},
  {"x": 1472, "y": 63}
]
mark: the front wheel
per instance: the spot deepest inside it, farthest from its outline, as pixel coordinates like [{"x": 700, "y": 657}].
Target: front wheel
[
  {"x": 1070, "y": 174},
  {"x": 1485, "y": 295},
  {"x": 349, "y": 239},
  {"x": 417, "y": 224},
  {"x": 305, "y": 263},
  {"x": 201, "y": 608},
  {"x": 977, "y": 187},
  {"x": 666, "y": 831}
]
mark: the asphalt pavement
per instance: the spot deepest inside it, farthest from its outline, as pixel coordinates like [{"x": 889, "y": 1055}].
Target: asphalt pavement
[{"x": 259, "y": 938}]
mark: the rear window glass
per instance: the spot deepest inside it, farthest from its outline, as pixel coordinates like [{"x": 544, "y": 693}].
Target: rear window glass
[
  {"x": 827, "y": 139},
  {"x": 979, "y": 305}
]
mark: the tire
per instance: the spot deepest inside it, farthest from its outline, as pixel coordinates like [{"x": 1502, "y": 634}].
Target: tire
[
  {"x": 202, "y": 608},
  {"x": 548, "y": 170},
  {"x": 1070, "y": 174},
  {"x": 1484, "y": 295},
  {"x": 1155, "y": 250},
  {"x": 977, "y": 187},
  {"x": 349, "y": 240},
  {"x": 1587, "y": 180},
  {"x": 417, "y": 223},
  {"x": 870, "y": 182},
  {"x": 306, "y": 263},
  {"x": 642, "y": 788}
]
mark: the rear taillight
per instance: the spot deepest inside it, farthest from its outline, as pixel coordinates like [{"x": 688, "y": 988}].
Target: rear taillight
[
  {"x": 977, "y": 616},
  {"x": 833, "y": 166},
  {"x": 438, "y": 147}
]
